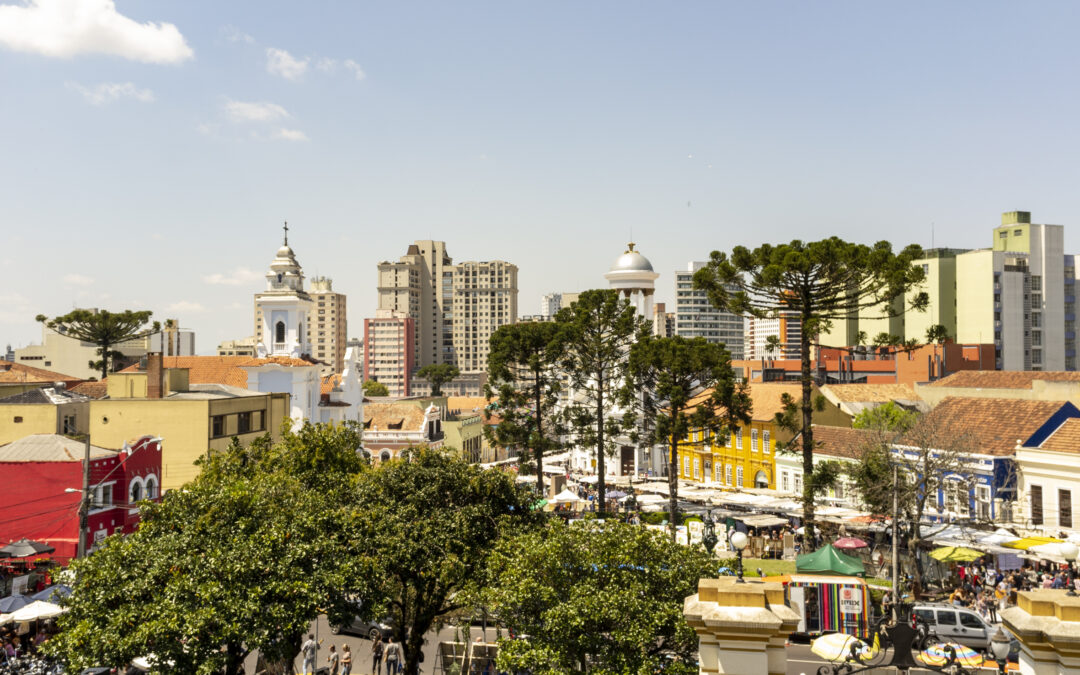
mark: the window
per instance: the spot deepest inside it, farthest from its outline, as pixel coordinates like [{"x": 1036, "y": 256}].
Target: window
[
  {"x": 1064, "y": 508},
  {"x": 798, "y": 483},
  {"x": 135, "y": 492},
  {"x": 765, "y": 442},
  {"x": 982, "y": 502},
  {"x": 739, "y": 477},
  {"x": 838, "y": 489},
  {"x": 69, "y": 425},
  {"x": 719, "y": 473},
  {"x": 102, "y": 497},
  {"x": 738, "y": 439},
  {"x": 785, "y": 481},
  {"x": 217, "y": 426},
  {"x": 971, "y": 621},
  {"x": 697, "y": 468},
  {"x": 926, "y": 615},
  {"x": 727, "y": 474},
  {"x": 151, "y": 487},
  {"x": 727, "y": 441},
  {"x": 279, "y": 332},
  {"x": 753, "y": 440},
  {"x": 18, "y": 419},
  {"x": 686, "y": 466},
  {"x": 1036, "y": 505},
  {"x": 946, "y": 618},
  {"x": 243, "y": 423}
]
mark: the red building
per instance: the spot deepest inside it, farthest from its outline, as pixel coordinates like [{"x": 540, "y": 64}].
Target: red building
[
  {"x": 390, "y": 350},
  {"x": 39, "y": 470}
]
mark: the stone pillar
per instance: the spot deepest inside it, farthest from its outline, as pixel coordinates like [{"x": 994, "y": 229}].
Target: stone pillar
[
  {"x": 742, "y": 627},
  {"x": 1047, "y": 623}
]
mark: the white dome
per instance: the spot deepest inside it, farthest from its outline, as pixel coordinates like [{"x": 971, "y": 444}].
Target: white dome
[
  {"x": 632, "y": 261},
  {"x": 285, "y": 252}
]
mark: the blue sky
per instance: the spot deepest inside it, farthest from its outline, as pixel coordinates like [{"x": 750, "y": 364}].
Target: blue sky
[{"x": 149, "y": 163}]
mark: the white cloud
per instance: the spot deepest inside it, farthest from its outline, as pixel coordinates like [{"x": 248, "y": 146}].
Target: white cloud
[
  {"x": 239, "y": 277},
  {"x": 281, "y": 62},
  {"x": 185, "y": 306},
  {"x": 355, "y": 68},
  {"x": 290, "y": 135},
  {"x": 66, "y": 28},
  {"x": 242, "y": 111},
  {"x": 234, "y": 34},
  {"x": 326, "y": 65},
  {"x": 77, "y": 279},
  {"x": 106, "y": 92}
]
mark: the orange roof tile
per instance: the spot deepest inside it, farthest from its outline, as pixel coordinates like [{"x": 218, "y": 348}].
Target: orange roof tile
[
  {"x": 18, "y": 373},
  {"x": 1066, "y": 438},
  {"x": 993, "y": 424},
  {"x": 872, "y": 393},
  {"x": 222, "y": 369},
  {"x": 466, "y": 403},
  {"x": 1003, "y": 379},
  {"x": 92, "y": 389},
  {"x": 329, "y": 382},
  {"x": 766, "y": 398},
  {"x": 841, "y": 441},
  {"x": 388, "y": 416}
]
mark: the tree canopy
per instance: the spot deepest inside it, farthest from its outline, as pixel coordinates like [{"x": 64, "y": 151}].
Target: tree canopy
[
  {"x": 814, "y": 283},
  {"x": 597, "y": 332},
  {"x": 684, "y": 386},
  {"x": 373, "y": 388},
  {"x": 523, "y": 379},
  {"x": 438, "y": 374},
  {"x": 104, "y": 329},
  {"x": 598, "y": 598}
]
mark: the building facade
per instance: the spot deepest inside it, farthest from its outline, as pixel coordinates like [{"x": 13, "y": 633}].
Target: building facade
[
  {"x": 390, "y": 351},
  {"x": 282, "y": 310},
  {"x": 63, "y": 354},
  {"x": 696, "y": 317},
  {"x": 785, "y": 328},
  {"x": 241, "y": 347},
  {"x": 327, "y": 325},
  {"x": 45, "y": 410},
  {"x": 663, "y": 321}
]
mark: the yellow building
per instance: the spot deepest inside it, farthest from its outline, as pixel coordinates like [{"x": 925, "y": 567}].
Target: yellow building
[
  {"x": 45, "y": 410},
  {"x": 747, "y": 457},
  {"x": 191, "y": 418}
]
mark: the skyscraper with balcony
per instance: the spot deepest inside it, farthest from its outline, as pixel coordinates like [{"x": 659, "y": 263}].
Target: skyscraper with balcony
[
  {"x": 327, "y": 325},
  {"x": 696, "y": 317}
]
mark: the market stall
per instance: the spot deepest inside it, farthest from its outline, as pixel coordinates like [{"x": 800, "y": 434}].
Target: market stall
[{"x": 829, "y": 603}]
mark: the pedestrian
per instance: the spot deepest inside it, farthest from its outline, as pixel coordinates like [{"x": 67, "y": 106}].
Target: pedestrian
[
  {"x": 308, "y": 649},
  {"x": 346, "y": 660},
  {"x": 333, "y": 659},
  {"x": 376, "y": 655},
  {"x": 393, "y": 656}
]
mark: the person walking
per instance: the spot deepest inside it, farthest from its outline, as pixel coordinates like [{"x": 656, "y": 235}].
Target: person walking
[
  {"x": 346, "y": 660},
  {"x": 393, "y": 656},
  {"x": 376, "y": 655},
  {"x": 333, "y": 659},
  {"x": 308, "y": 649}
]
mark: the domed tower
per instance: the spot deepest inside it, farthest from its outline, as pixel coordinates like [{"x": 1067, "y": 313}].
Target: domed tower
[
  {"x": 633, "y": 276},
  {"x": 281, "y": 310}
]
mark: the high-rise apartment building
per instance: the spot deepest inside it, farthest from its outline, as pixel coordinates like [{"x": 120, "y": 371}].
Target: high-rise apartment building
[
  {"x": 550, "y": 304},
  {"x": 327, "y": 325},
  {"x": 389, "y": 350},
  {"x": 663, "y": 321},
  {"x": 787, "y": 330},
  {"x": 455, "y": 308},
  {"x": 696, "y": 317}
]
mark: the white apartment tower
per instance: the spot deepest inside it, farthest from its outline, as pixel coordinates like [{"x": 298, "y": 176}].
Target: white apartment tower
[{"x": 696, "y": 317}]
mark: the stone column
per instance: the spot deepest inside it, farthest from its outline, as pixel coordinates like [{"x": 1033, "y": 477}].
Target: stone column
[
  {"x": 1047, "y": 623},
  {"x": 742, "y": 627}
]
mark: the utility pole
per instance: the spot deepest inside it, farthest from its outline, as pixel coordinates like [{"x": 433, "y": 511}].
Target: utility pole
[
  {"x": 84, "y": 504},
  {"x": 895, "y": 541}
]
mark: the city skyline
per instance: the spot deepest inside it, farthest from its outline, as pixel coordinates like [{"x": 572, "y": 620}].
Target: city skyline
[{"x": 162, "y": 171}]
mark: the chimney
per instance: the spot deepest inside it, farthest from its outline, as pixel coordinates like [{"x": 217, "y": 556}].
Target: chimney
[{"x": 153, "y": 375}]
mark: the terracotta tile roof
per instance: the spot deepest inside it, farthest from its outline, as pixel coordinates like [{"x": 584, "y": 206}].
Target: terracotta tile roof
[
  {"x": 1065, "y": 439},
  {"x": 227, "y": 370},
  {"x": 841, "y": 441},
  {"x": 18, "y": 373},
  {"x": 94, "y": 390},
  {"x": 1003, "y": 379},
  {"x": 328, "y": 383},
  {"x": 393, "y": 416},
  {"x": 872, "y": 393},
  {"x": 765, "y": 397},
  {"x": 466, "y": 403},
  {"x": 993, "y": 424}
]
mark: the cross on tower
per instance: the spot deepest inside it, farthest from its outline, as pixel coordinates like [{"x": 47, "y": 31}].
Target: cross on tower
[{"x": 286, "y": 228}]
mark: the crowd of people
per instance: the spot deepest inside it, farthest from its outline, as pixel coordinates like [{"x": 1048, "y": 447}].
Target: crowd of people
[
  {"x": 388, "y": 653},
  {"x": 17, "y": 645}
]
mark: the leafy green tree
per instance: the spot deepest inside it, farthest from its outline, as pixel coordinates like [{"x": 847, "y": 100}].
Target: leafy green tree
[
  {"x": 438, "y": 374},
  {"x": 885, "y": 417},
  {"x": 937, "y": 334},
  {"x": 104, "y": 329},
  {"x": 682, "y": 386},
  {"x": 523, "y": 378},
  {"x": 597, "y": 332},
  {"x": 242, "y": 559},
  {"x": 596, "y": 598},
  {"x": 373, "y": 388},
  {"x": 429, "y": 521},
  {"x": 818, "y": 282}
]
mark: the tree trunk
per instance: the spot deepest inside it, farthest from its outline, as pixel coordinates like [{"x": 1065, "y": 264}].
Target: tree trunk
[
  {"x": 601, "y": 490},
  {"x": 673, "y": 486},
  {"x": 807, "y": 431},
  {"x": 413, "y": 648},
  {"x": 105, "y": 361},
  {"x": 539, "y": 450},
  {"x": 234, "y": 658}
]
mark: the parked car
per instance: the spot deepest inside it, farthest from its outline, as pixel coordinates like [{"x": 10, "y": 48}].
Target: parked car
[
  {"x": 368, "y": 629},
  {"x": 956, "y": 624}
]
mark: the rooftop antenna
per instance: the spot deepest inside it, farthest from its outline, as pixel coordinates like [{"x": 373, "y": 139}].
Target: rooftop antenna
[{"x": 931, "y": 234}]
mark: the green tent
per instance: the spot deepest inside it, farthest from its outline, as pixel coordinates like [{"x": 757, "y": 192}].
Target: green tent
[{"x": 828, "y": 560}]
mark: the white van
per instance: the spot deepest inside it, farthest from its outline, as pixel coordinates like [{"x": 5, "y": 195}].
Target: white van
[{"x": 956, "y": 624}]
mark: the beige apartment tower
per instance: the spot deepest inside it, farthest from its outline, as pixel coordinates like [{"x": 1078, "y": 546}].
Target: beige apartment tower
[{"x": 327, "y": 325}]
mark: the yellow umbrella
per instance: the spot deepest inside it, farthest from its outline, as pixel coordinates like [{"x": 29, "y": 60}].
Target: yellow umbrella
[
  {"x": 955, "y": 554},
  {"x": 1027, "y": 542},
  {"x": 837, "y": 646}
]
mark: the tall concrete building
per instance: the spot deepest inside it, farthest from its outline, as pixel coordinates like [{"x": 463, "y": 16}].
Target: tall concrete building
[
  {"x": 786, "y": 328},
  {"x": 696, "y": 317},
  {"x": 550, "y": 304},
  {"x": 327, "y": 325},
  {"x": 455, "y": 308},
  {"x": 389, "y": 350},
  {"x": 663, "y": 321}
]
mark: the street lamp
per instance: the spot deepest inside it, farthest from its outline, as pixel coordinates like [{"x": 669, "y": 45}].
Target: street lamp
[
  {"x": 1000, "y": 647},
  {"x": 1069, "y": 551},
  {"x": 709, "y": 538},
  {"x": 739, "y": 540}
]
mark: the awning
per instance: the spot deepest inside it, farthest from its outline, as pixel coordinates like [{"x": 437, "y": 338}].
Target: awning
[
  {"x": 955, "y": 554},
  {"x": 1027, "y": 542},
  {"x": 763, "y": 520}
]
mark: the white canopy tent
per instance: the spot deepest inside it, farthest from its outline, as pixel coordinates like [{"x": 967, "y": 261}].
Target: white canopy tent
[
  {"x": 37, "y": 610},
  {"x": 564, "y": 497}
]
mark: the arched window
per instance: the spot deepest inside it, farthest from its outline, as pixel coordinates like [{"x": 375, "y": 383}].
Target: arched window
[
  {"x": 135, "y": 491},
  {"x": 384, "y": 456},
  {"x": 279, "y": 332},
  {"x": 761, "y": 480},
  {"x": 151, "y": 488}
]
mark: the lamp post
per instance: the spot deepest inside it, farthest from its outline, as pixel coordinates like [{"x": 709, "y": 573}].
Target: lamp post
[
  {"x": 1000, "y": 646},
  {"x": 1069, "y": 551},
  {"x": 708, "y": 539},
  {"x": 738, "y": 542}
]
